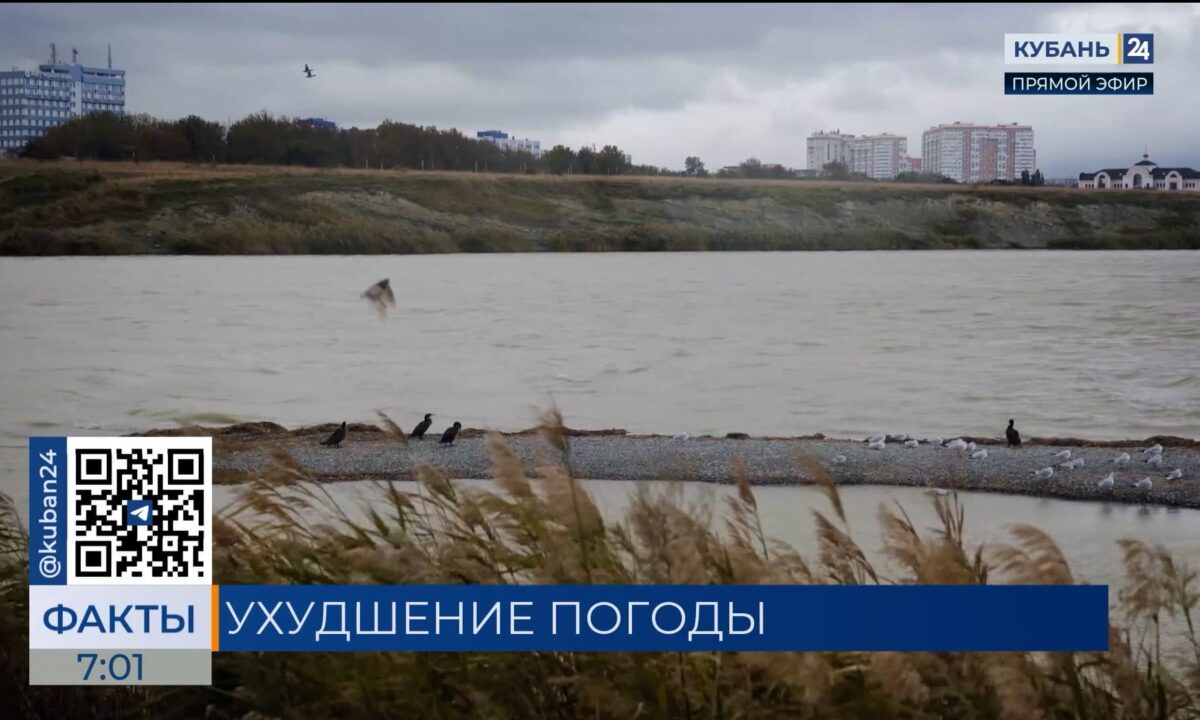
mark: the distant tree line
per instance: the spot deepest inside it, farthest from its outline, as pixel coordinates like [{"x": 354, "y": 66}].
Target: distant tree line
[{"x": 262, "y": 138}]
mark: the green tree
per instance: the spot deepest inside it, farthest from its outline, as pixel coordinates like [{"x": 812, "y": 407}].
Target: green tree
[
  {"x": 751, "y": 167},
  {"x": 558, "y": 160},
  {"x": 694, "y": 167},
  {"x": 586, "y": 158},
  {"x": 835, "y": 171},
  {"x": 611, "y": 161}
]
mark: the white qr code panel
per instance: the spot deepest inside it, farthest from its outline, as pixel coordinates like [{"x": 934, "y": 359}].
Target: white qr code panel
[{"x": 140, "y": 511}]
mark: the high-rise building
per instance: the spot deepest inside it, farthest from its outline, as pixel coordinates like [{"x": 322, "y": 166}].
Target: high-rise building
[
  {"x": 972, "y": 153},
  {"x": 877, "y": 156},
  {"x": 826, "y": 147},
  {"x": 33, "y": 102},
  {"x": 511, "y": 144}
]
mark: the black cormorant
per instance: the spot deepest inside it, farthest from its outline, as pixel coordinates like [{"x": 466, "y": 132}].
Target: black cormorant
[
  {"x": 450, "y": 434},
  {"x": 419, "y": 431},
  {"x": 1014, "y": 437},
  {"x": 337, "y": 437}
]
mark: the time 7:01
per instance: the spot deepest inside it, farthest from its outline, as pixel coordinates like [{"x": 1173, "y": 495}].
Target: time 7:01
[{"x": 118, "y": 666}]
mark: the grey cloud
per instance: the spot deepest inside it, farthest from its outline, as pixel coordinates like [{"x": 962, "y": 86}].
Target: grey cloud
[{"x": 721, "y": 81}]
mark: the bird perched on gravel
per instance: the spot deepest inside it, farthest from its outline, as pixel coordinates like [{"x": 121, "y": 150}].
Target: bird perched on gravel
[
  {"x": 337, "y": 437},
  {"x": 1106, "y": 483},
  {"x": 957, "y": 444},
  {"x": 1144, "y": 484},
  {"x": 878, "y": 437},
  {"x": 381, "y": 296},
  {"x": 1175, "y": 474},
  {"x": 934, "y": 441},
  {"x": 1014, "y": 437},
  {"x": 877, "y": 445},
  {"x": 839, "y": 459},
  {"x": 1044, "y": 474},
  {"x": 979, "y": 454},
  {"x": 1063, "y": 455},
  {"x": 450, "y": 434},
  {"x": 421, "y": 428},
  {"x": 1155, "y": 461},
  {"x": 1155, "y": 449},
  {"x": 1122, "y": 459},
  {"x": 911, "y": 443}
]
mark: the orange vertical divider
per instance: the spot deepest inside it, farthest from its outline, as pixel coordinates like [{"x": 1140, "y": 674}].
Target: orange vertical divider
[{"x": 216, "y": 617}]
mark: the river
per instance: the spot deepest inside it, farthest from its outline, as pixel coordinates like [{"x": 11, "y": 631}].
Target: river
[{"x": 1090, "y": 344}]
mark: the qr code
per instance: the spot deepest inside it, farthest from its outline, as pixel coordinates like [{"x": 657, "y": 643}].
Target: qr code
[{"x": 140, "y": 512}]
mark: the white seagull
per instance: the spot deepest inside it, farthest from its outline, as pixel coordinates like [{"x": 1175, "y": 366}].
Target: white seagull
[
  {"x": 839, "y": 459},
  {"x": 979, "y": 454},
  {"x": 877, "y": 445},
  {"x": 876, "y": 438},
  {"x": 1122, "y": 459},
  {"x": 1175, "y": 474},
  {"x": 1155, "y": 461},
  {"x": 1144, "y": 484},
  {"x": 934, "y": 440},
  {"x": 1106, "y": 483},
  {"x": 1153, "y": 450},
  {"x": 957, "y": 444},
  {"x": 970, "y": 447},
  {"x": 898, "y": 437},
  {"x": 911, "y": 443},
  {"x": 681, "y": 436},
  {"x": 1044, "y": 473},
  {"x": 1064, "y": 455}
]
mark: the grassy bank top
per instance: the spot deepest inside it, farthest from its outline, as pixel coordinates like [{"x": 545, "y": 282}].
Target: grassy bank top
[{"x": 166, "y": 208}]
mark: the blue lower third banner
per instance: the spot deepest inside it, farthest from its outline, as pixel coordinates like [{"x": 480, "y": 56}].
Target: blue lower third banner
[
  {"x": 1078, "y": 83},
  {"x": 651, "y": 618}
]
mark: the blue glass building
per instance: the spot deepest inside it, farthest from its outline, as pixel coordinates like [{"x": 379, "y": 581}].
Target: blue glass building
[{"x": 32, "y": 102}]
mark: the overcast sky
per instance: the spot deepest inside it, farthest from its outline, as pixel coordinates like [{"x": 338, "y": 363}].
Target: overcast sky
[{"x": 724, "y": 82}]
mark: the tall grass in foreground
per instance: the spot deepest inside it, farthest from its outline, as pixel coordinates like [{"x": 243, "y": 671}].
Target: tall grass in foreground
[{"x": 548, "y": 529}]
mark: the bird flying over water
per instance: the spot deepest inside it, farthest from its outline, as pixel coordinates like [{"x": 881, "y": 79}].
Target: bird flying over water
[
  {"x": 381, "y": 296},
  {"x": 1014, "y": 437},
  {"x": 337, "y": 437},
  {"x": 308, "y": 71},
  {"x": 419, "y": 431},
  {"x": 450, "y": 434}
]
